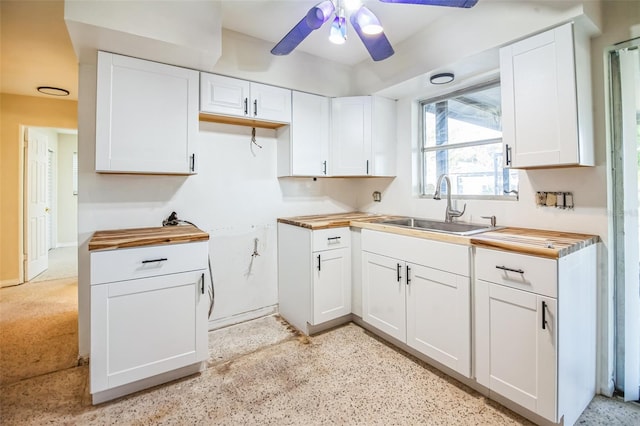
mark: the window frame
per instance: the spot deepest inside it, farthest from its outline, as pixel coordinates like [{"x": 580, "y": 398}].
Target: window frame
[{"x": 423, "y": 149}]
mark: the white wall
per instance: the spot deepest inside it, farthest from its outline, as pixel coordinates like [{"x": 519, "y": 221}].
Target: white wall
[{"x": 67, "y": 211}]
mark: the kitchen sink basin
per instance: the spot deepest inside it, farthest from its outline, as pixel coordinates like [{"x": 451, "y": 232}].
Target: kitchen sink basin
[{"x": 455, "y": 228}]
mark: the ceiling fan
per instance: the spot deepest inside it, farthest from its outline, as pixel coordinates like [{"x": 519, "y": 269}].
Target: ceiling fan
[{"x": 364, "y": 22}]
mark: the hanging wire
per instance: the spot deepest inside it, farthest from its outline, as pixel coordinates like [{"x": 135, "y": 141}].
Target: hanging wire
[{"x": 253, "y": 137}]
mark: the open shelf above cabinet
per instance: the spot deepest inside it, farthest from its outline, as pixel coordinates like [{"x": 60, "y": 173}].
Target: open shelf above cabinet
[{"x": 239, "y": 121}]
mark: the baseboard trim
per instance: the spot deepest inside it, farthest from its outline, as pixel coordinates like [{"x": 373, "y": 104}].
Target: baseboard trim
[
  {"x": 10, "y": 283},
  {"x": 245, "y": 316}
]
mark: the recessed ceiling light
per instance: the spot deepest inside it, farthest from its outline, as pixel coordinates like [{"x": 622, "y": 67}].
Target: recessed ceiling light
[
  {"x": 442, "y": 78},
  {"x": 53, "y": 91}
]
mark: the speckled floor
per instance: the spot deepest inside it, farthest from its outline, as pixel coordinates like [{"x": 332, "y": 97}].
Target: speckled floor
[{"x": 261, "y": 372}]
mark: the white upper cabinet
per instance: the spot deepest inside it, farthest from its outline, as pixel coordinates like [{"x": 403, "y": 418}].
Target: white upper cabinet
[
  {"x": 146, "y": 117},
  {"x": 239, "y": 98},
  {"x": 305, "y": 149},
  {"x": 363, "y": 139},
  {"x": 546, "y": 100}
]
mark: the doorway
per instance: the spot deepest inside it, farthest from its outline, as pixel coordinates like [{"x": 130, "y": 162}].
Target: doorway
[
  {"x": 50, "y": 204},
  {"x": 624, "y": 90}
]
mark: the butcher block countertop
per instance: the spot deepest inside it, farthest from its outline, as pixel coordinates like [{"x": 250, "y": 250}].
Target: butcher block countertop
[
  {"x": 337, "y": 220},
  {"x": 535, "y": 242},
  {"x": 139, "y": 237}
]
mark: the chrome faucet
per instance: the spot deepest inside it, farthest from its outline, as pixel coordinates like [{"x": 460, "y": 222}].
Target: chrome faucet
[{"x": 450, "y": 213}]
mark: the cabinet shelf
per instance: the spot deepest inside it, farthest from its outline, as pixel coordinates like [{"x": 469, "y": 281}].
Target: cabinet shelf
[{"x": 239, "y": 121}]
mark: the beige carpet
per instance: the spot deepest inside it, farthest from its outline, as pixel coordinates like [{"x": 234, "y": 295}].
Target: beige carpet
[
  {"x": 38, "y": 329},
  {"x": 63, "y": 263}
]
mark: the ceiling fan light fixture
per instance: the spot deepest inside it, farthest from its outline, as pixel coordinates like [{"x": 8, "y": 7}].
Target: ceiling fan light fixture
[
  {"x": 442, "y": 78},
  {"x": 368, "y": 22},
  {"x": 338, "y": 34}
]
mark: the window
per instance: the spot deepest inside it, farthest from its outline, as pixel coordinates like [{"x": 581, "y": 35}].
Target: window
[{"x": 462, "y": 137}]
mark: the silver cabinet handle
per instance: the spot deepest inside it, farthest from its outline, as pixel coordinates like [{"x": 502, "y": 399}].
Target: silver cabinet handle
[
  {"x": 504, "y": 268},
  {"x": 246, "y": 106},
  {"x": 255, "y": 108}
]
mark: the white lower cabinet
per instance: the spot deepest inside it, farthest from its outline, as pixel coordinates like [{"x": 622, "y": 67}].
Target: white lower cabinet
[
  {"x": 151, "y": 321},
  {"x": 407, "y": 295},
  {"x": 314, "y": 275},
  {"x": 535, "y": 322}
]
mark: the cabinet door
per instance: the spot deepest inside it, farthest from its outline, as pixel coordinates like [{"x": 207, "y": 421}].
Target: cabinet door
[
  {"x": 331, "y": 284},
  {"x": 438, "y": 316},
  {"x": 383, "y": 294},
  {"x": 146, "y": 116},
  {"x": 539, "y": 107},
  {"x": 515, "y": 349},
  {"x": 141, "y": 328},
  {"x": 224, "y": 95},
  {"x": 270, "y": 103},
  {"x": 351, "y": 136},
  {"x": 309, "y": 135}
]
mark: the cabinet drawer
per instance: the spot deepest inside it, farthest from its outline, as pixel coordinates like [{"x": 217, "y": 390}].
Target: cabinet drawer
[
  {"x": 327, "y": 239},
  {"x": 530, "y": 273},
  {"x": 141, "y": 262}
]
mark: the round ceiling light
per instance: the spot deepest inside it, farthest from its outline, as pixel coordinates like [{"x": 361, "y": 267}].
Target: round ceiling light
[
  {"x": 53, "y": 91},
  {"x": 442, "y": 78}
]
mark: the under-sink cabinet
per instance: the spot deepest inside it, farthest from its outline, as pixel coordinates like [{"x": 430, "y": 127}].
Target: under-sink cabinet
[
  {"x": 146, "y": 117},
  {"x": 535, "y": 329},
  {"x": 418, "y": 291},
  {"x": 228, "y": 96},
  {"x": 148, "y": 316},
  {"x": 314, "y": 276}
]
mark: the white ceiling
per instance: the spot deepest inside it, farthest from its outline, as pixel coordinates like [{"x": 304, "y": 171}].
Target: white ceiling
[{"x": 36, "y": 49}]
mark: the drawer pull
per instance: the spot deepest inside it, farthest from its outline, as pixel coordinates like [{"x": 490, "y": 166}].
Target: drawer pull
[
  {"x": 162, "y": 259},
  {"x": 504, "y": 268},
  {"x": 335, "y": 239}
]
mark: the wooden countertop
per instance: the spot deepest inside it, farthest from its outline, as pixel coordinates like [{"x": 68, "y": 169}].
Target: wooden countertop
[
  {"x": 139, "y": 237},
  {"x": 535, "y": 242},
  {"x": 337, "y": 220}
]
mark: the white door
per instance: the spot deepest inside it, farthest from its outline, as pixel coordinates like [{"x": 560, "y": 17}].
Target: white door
[
  {"x": 270, "y": 103},
  {"x": 309, "y": 135},
  {"x": 438, "y": 316},
  {"x": 331, "y": 284},
  {"x": 516, "y": 346},
  {"x": 351, "y": 136},
  {"x": 144, "y": 327},
  {"x": 37, "y": 260},
  {"x": 383, "y": 294},
  {"x": 538, "y": 86},
  {"x": 146, "y": 116},
  {"x": 224, "y": 95}
]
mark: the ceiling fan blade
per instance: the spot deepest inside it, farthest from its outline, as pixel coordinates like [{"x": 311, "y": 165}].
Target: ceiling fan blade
[
  {"x": 377, "y": 44},
  {"x": 450, "y": 3},
  {"x": 317, "y": 15}
]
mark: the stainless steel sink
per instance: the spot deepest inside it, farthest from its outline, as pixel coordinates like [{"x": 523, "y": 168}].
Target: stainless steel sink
[{"x": 455, "y": 228}]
